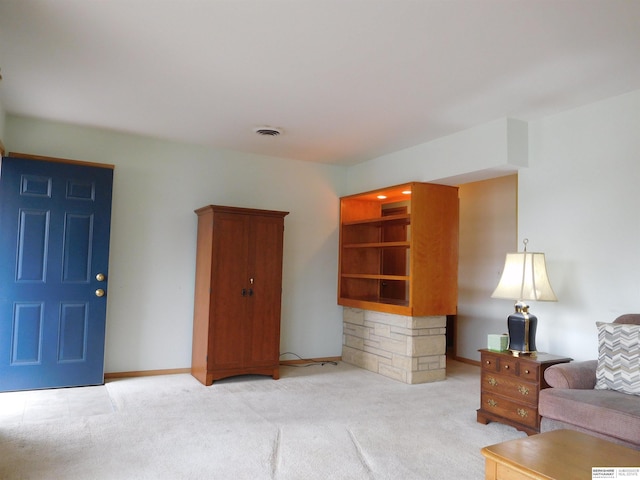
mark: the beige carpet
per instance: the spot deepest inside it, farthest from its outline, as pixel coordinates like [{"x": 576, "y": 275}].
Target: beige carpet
[{"x": 319, "y": 422}]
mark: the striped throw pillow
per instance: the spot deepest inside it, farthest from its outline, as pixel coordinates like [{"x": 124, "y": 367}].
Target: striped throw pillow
[{"x": 618, "y": 357}]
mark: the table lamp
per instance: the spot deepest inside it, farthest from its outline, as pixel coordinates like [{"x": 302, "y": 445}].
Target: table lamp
[{"x": 524, "y": 278}]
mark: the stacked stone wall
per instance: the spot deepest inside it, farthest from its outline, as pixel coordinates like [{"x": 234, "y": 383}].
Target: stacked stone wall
[{"x": 408, "y": 349}]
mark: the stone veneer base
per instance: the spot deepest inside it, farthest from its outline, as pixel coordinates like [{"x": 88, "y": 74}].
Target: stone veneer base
[{"x": 408, "y": 349}]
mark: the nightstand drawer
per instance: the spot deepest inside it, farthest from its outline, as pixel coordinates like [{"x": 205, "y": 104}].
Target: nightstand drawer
[
  {"x": 517, "y": 412},
  {"x": 508, "y": 365},
  {"x": 528, "y": 370},
  {"x": 512, "y": 387},
  {"x": 513, "y": 366},
  {"x": 489, "y": 362}
]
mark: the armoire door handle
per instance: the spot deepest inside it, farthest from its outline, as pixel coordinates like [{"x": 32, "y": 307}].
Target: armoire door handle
[
  {"x": 251, "y": 292},
  {"x": 243, "y": 292}
]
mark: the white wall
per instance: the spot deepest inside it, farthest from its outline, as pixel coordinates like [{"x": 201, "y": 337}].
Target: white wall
[
  {"x": 486, "y": 151},
  {"x": 579, "y": 203},
  {"x": 157, "y": 186},
  {"x": 488, "y": 229}
]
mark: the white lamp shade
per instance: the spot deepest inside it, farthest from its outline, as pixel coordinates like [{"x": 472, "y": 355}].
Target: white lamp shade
[{"x": 525, "y": 278}]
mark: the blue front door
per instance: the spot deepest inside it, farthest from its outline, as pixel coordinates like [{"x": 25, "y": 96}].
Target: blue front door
[{"x": 54, "y": 256}]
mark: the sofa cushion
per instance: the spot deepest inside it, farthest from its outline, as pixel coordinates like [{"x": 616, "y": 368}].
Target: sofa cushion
[
  {"x": 618, "y": 358},
  {"x": 605, "y": 411}
]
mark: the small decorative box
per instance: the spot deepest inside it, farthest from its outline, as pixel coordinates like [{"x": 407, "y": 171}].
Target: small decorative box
[{"x": 498, "y": 343}]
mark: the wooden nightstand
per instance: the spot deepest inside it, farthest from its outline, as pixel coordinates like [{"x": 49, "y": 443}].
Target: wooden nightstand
[{"x": 510, "y": 386}]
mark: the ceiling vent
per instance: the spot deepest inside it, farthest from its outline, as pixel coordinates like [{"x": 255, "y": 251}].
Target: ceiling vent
[{"x": 268, "y": 131}]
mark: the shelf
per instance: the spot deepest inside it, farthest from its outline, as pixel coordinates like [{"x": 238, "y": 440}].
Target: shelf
[
  {"x": 402, "y": 278},
  {"x": 397, "y": 307},
  {"x": 379, "y": 221},
  {"x": 378, "y": 245},
  {"x": 386, "y": 301}
]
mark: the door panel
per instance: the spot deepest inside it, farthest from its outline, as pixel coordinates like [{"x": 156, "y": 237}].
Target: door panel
[
  {"x": 54, "y": 239},
  {"x": 76, "y": 261},
  {"x": 73, "y": 331},
  {"x": 228, "y": 279},
  {"x": 33, "y": 234},
  {"x": 26, "y": 345}
]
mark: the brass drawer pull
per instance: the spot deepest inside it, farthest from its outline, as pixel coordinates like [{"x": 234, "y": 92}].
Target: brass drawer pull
[
  {"x": 522, "y": 412},
  {"x": 523, "y": 390},
  {"x": 506, "y": 367},
  {"x": 492, "y": 381},
  {"x": 527, "y": 372},
  {"x": 492, "y": 403},
  {"x": 488, "y": 362}
]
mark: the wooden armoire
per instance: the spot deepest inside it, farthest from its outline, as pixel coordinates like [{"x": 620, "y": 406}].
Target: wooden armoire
[{"x": 238, "y": 288}]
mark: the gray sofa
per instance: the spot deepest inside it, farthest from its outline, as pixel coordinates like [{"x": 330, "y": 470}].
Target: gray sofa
[{"x": 573, "y": 403}]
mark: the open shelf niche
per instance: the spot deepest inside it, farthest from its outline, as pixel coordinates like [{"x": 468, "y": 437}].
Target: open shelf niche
[
  {"x": 399, "y": 254},
  {"x": 398, "y": 278}
]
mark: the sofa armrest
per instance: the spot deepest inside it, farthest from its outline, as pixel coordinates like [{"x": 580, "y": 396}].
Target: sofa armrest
[{"x": 580, "y": 375}]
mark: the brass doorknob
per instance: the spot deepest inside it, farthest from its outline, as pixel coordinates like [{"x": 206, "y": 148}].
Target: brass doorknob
[
  {"x": 99, "y": 292},
  {"x": 100, "y": 277}
]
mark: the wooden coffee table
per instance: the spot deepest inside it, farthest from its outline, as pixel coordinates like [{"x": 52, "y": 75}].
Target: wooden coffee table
[{"x": 559, "y": 454}]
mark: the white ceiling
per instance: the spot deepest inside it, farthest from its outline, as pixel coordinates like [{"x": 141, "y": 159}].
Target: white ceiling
[{"x": 347, "y": 80}]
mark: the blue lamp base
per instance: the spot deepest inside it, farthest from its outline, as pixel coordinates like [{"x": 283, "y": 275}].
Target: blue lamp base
[{"x": 522, "y": 331}]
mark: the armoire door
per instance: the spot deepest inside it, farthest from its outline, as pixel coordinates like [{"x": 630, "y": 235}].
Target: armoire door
[
  {"x": 265, "y": 270},
  {"x": 229, "y": 291}
]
